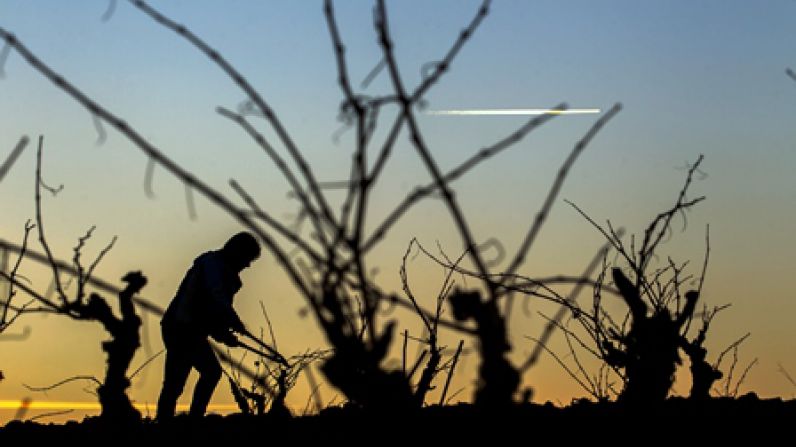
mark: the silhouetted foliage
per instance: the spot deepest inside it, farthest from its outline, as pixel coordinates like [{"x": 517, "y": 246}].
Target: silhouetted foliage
[
  {"x": 644, "y": 348},
  {"x": 277, "y": 376},
  {"x": 703, "y": 374},
  {"x": 431, "y": 325}
]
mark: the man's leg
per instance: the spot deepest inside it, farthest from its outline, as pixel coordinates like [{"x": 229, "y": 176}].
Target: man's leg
[
  {"x": 178, "y": 365},
  {"x": 204, "y": 360}
]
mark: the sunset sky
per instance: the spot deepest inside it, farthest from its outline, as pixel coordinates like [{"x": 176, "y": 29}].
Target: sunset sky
[{"x": 694, "y": 77}]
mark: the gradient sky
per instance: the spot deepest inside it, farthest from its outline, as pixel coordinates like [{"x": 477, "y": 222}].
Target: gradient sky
[{"x": 695, "y": 77}]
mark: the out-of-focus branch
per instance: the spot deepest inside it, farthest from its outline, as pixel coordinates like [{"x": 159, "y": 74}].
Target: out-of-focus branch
[
  {"x": 253, "y": 95},
  {"x": 443, "y": 66},
  {"x": 309, "y": 209},
  {"x": 5, "y": 322},
  {"x": 553, "y": 323},
  {"x": 13, "y": 156},
  {"x": 281, "y": 229},
  {"x": 556, "y": 187},
  {"x": 790, "y": 73},
  {"x": 452, "y": 175},
  {"x": 382, "y": 28}
]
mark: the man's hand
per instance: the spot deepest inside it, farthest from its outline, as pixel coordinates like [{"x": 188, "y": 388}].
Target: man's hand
[
  {"x": 237, "y": 325},
  {"x": 227, "y": 338}
]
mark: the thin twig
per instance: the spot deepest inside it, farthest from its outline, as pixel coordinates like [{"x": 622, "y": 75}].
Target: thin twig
[
  {"x": 553, "y": 323},
  {"x": 4, "y": 322},
  {"x": 96, "y": 262},
  {"x": 253, "y": 95},
  {"x": 382, "y": 28},
  {"x": 743, "y": 377},
  {"x": 443, "y": 66},
  {"x": 40, "y": 224},
  {"x": 50, "y": 414},
  {"x": 454, "y": 174},
  {"x": 267, "y": 218},
  {"x": 556, "y": 187},
  {"x": 733, "y": 345},
  {"x": 63, "y": 382},
  {"x": 315, "y": 395},
  {"x": 309, "y": 209},
  {"x": 143, "y": 365},
  {"x": 790, "y": 73},
  {"x": 450, "y": 372},
  {"x": 566, "y": 368}
]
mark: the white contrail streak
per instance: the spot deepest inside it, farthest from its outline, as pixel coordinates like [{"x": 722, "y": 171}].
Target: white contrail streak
[{"x": 513, "y": 112}]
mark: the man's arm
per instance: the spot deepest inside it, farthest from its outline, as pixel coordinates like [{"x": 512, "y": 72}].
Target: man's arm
[{"x": 220, "y": 295}]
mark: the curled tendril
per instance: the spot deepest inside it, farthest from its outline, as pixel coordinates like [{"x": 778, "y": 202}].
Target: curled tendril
[
  {"x": 149, "y": 176},
  {"x": 189, "y": 202},
  {"x": 3, "y": 58},
  {"x": 500, "y": 251},
  {"x": 378, "y": 68},
  {"x": 106, "y": 16},
  {"x": 101, "y": 134},
  {"x": 428, "y": 68}
]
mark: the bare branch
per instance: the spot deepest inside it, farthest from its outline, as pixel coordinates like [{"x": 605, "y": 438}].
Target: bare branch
[
  {"x": 106, "y": 16},
  {"x": 405, "y": 283},
  {"x": 651, "y": 242},
  {"x": 63, "y": 382},
  {"x": 422, "y": 149},
  {"x": 4, "y": 52},
  {"x": 40, "y": 223},
  {"x": 556, "y": 187},
  {"x": 563, "y": 365},
  {"x": 49, "y": 414},
  {"x": 309, "y": 209},
  {"x": 443, "y": 66},
  {"x": 96, "y": 262},
  {"x": 452, "y": 175},
  {"x": 252, "y": 94},
  {"x": 790, "y": 73},
  {"x": 190, "y": 205},
  {"x": 743, "y": 377},
  {"x": 156, "y": 155},
  {"x": 4, "y": 321},
  {"x": 554, "y": 322},
  {"x": 454, "y": 361},
  {"x": 146, "y": 362},
  {"x": 149, "y": 175},
  {"x": 784, "y": 372},
  {"x": 281, "y": 229},
  {"x": 13, "y": 156},
  {"x": 733, "y": 345}
]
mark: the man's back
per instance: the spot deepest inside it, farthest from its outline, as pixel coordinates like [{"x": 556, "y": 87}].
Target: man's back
[{"x": 203, "y": 302}]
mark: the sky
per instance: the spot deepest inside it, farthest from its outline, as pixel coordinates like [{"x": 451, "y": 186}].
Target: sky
[{"x": 694, "y": 77}]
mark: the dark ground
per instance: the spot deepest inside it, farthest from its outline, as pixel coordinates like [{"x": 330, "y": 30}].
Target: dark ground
[{"x": 762, "y": 421}]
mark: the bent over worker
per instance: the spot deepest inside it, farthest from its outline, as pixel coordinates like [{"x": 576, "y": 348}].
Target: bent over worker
[{"x": 202, "y": 308}]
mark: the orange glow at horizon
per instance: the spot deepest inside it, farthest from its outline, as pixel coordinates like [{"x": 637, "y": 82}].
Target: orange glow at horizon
[{"x": 74, "y": 405}]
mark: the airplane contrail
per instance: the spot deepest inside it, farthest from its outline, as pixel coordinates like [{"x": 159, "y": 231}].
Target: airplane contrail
[{"x": 513, "y": 112}]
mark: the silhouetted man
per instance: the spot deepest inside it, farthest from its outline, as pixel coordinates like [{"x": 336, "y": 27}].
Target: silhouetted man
[{"x": 202, "y": 307}]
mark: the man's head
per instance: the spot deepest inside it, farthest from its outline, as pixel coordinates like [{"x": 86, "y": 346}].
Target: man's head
[{"x": 241, "y": 249}]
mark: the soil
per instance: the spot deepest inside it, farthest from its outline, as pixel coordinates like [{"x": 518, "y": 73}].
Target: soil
[{"x": 676, "y": 420}]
